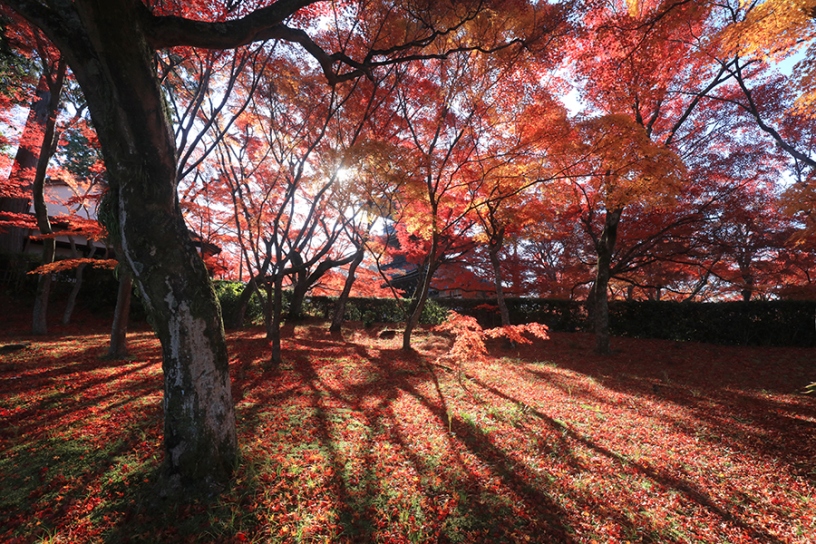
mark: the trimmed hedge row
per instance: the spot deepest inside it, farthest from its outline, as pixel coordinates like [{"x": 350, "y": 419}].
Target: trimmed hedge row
[
  {"x": 558, "y": 315},
  {"x": 758, "y": 323},
  {"x": 378, "y": 310},
  {"x": 755, "y": 323}
]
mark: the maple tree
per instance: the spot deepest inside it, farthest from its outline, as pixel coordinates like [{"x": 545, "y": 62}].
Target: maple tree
[
  {"x": 290, "y": 132},
  {"x": 20, "y": 69},
  {"x": 121, "y": 88},
  {"x": 618, "y": 165},
  {"x": 434, "y": 211},
  {"x": 660, "y": 71},
  {"x": 291, "y": 208},
  {"x": 453, "y": 132},
  {"x": 512, "y": 162},
  {"x": 25, "y": 186}
]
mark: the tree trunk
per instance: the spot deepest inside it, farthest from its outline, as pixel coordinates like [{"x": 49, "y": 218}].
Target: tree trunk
[
  {"x": 39, "y": 321},
  {"x": 80, "y": 272},
  {"x": 418, "y": 304},
  {"x": 605, "y": 248},
  {"x": 299, "y": 291},
  {"x": 131, "y": 119},
  {"x": 306, "y": 281},
  {"x": 269, "y": 307},
  {"x": 496, "y": 243},
  {"x": 342, "y": 300},
  {"x": 274, "y": 330},
  {"x": 17, "y": 194},
  {"x": 747, "y": 290},
  {"x": 72, "y": 297},
  {"x": 118, "y": 348}
]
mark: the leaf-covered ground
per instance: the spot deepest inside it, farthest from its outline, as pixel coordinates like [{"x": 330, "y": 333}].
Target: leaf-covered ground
[{"x": 354, "y": 440}]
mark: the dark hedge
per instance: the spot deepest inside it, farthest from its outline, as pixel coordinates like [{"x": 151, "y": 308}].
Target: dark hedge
[{"x": 757, "y": 323}]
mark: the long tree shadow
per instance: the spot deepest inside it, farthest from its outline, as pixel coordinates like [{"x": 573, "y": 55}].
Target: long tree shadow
[
  {"x": 392, "y": 380},
  {"x": 667, "y": 480},
  {"x": 746, "y": 398},
  {"x": 374, "y": 436}
]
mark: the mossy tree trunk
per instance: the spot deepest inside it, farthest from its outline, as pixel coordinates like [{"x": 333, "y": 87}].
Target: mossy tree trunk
[{"x": 107, "y": 49}]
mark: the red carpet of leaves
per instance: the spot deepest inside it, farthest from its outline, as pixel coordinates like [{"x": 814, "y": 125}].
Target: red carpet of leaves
[{"x": 353, "y": 440}]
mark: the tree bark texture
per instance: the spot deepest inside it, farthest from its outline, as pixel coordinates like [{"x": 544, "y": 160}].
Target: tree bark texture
[
  {"x": 39, "y": 320},
  {"x": 107, "y": 49},
  {"x": 72, "y": 297},
  {"x": 275, "y": 302},
  {"x": 420, "y": 298},
  {"x": 605, "y": 248}
]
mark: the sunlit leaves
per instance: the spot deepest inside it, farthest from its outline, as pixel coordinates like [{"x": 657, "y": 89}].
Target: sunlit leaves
[
  {"x": 70, "y": 264},
  {"x": 628, "y": 166},
  {"x": 776, "y": 28}
]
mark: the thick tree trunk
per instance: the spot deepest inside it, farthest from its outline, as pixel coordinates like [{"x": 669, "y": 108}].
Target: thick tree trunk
[
  {"x": 605, "y": 248},
  {"x": 342, "y": 300},
  {"x": 16, "y": 197},
  {"x": 118, "y": 348},
  {"x": 496, "y": 243},
  {"x": 108, "y": 52},
  {"x": 299, "y": 291}
]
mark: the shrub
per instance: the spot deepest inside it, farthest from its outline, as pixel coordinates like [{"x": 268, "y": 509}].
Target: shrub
[
  {"x": 469, "y": 336},
  {"x": 229, "y": 294},
  {"x": 433, "y": 313}
]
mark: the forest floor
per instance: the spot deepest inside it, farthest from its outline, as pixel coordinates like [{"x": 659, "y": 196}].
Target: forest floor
[{"x": 354, "y": 440}]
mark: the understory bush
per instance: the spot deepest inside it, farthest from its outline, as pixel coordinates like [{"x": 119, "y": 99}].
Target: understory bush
[
  {"x": 229, "y": 294},
  {"x": 378, "y": 310}
]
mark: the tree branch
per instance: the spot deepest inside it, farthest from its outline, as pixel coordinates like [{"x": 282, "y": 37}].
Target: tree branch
[{"x": 259, "y": 25}]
